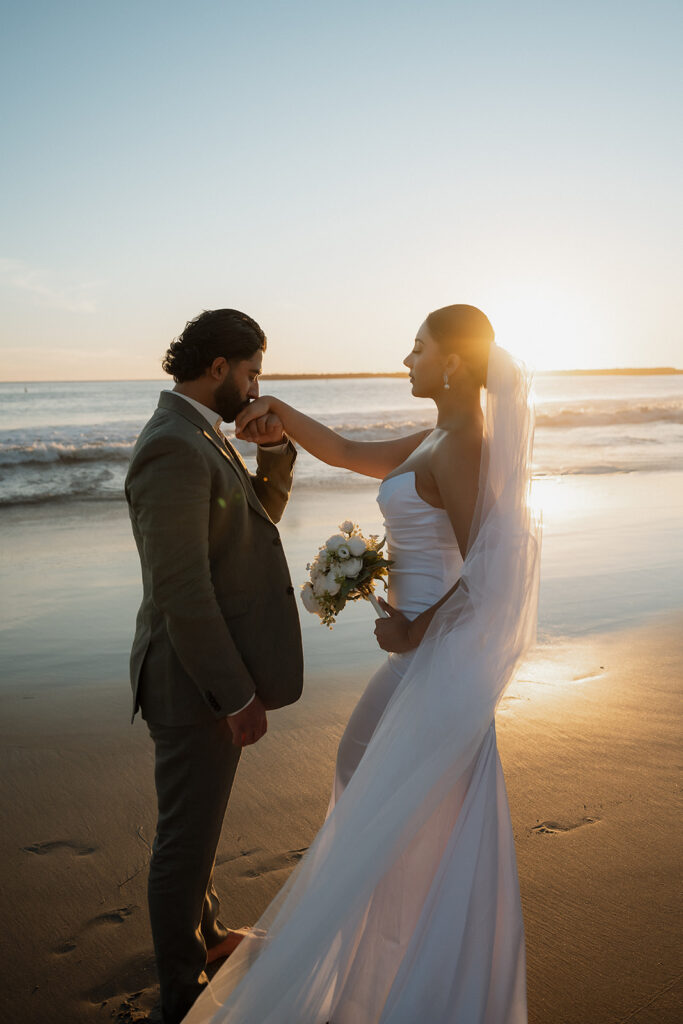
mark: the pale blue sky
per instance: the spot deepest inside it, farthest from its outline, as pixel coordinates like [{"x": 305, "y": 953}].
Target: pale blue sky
[{"x": 337, "y": 171}]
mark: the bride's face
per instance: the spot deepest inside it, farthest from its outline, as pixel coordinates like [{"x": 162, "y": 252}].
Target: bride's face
[{"x": 426, "y": 364}]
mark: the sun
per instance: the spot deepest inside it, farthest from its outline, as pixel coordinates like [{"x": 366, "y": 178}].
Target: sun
[{"x": 550, "y": 329}]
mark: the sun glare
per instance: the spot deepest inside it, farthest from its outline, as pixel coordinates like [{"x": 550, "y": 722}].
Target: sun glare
[
  {"x": 549, "y": 329},
  {"x": 560, "y": 503}
]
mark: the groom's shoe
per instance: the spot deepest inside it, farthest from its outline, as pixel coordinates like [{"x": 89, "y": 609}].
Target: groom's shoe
[{"x": 227, "y": 946}]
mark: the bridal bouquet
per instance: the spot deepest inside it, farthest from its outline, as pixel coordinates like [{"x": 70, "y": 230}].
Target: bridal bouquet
[{"x": 345, "y": 569}]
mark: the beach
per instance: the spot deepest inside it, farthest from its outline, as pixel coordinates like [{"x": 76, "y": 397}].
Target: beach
[{"x": 588, "y": 736}]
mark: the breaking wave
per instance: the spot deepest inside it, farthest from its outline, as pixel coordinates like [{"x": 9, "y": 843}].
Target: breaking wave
[
  {"x": 593, "y": 436},
  {"x": 47, "y": 453},
  {"x": 599, "y": 415}
]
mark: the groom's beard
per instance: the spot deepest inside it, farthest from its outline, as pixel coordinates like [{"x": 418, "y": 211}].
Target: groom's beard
[{"x": 229, "y": 401}]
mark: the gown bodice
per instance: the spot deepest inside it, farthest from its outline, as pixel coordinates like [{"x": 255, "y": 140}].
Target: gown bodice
[{"x": 421, "y": 544}]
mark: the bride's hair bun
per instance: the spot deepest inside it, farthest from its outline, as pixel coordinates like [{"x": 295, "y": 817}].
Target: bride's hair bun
[{"x": 466, "y": 331}]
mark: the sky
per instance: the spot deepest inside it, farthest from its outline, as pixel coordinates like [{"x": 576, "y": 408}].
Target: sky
[{"x": 337, "y": 171}]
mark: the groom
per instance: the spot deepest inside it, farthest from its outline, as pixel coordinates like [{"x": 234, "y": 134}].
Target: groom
[{"x": 217, "y": 641}]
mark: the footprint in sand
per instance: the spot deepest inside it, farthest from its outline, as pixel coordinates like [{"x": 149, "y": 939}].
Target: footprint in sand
[
  {"x": 138, "y": 1008},
  {"x": 133, "y": 982},
  {"x": 590, "y": 677},
  {"x": 268, "y": 863},
  {"x": 112, "y": 916},
  {"x": 508, "y": 701},
  {"x": 66, "y": 947},
  {"x": 554, "y": 828},
  {"x": 58, "y": 844},
  {"x": 237, "y": 856}
]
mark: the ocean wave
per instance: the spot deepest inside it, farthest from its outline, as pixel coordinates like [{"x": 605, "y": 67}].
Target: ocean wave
[
  {"x": 70, "y": 445},
  {"x": 615, "y": 468},
  {"x": 59, "y": 498},
  {"x": 37, "y": 483},
  {"x": 47, "y": 453},
  {"x": 548, "y": 416},
  {"x": 596, "y": 416},
  {"x": 102, "y": 485},
  {"x": 75, "y": 463}
]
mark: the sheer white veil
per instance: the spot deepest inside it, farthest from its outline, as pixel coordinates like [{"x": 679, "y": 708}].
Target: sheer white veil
[{"x": 421, "y": 754}]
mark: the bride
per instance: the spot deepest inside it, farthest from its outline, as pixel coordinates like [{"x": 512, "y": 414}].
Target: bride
[{"x": 406, "y": 907}]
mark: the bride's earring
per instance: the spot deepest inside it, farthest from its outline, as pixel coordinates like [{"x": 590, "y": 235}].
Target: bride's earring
[{"x": 446, "y": 385}]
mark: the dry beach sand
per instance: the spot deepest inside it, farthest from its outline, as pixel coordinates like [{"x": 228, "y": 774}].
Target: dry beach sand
[{"x": 588, "y": 735}]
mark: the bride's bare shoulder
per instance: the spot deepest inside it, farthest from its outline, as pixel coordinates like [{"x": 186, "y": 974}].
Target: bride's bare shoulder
[{"x": 459, "y": 447}]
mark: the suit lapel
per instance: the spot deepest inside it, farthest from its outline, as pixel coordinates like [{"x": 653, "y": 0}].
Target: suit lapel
[
  {"x": 168, "y": 400},
  {"x": 240, "y": 470},
  {"x": 234, "y": 454}
]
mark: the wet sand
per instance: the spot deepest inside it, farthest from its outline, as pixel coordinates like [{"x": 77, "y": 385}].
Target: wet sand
[{"x": 588, "y": 737}]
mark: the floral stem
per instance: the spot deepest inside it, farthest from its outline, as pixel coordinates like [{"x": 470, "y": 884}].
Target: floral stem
[{"x": 377, "y": 606}]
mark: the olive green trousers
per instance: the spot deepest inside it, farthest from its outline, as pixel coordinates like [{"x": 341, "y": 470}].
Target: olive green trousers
[{"x": 194, "y": 771}]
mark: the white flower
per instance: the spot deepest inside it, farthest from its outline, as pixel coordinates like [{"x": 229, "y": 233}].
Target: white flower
[
  {"x": 352, "y": 566},
  {"x": 309, "y": 599},
  {"x": 343, "y": 551},
  {"x": 331, "y": 585},
  {"x": 319, "y": 564},
  {"x": 335, "y": 542},
  {"x": 326, "y": 584},
  {"x": 356, "y": 546},
  {"x": 346, "y": 526}
]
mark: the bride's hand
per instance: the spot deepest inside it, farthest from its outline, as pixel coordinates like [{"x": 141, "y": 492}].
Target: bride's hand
[
  {"x": 257, "y": 423},
  {"x": 256, "y": 410},
  {"x": 266, "y": 430},
  {"x": 392, "y": 633}
]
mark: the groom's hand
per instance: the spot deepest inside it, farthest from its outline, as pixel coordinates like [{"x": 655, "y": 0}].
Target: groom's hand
[
  {"x": 259, "y": 423},
  {"x": 249, "y": 724},
  {"x": 270, "y": 430},
  {"x": 264, "y": 431}
]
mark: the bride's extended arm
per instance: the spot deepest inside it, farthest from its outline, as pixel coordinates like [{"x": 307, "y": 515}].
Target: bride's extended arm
[{"x": 371, "y": 458}]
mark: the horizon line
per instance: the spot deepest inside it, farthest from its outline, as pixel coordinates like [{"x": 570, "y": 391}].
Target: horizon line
[{"x": 616, "y": 371}]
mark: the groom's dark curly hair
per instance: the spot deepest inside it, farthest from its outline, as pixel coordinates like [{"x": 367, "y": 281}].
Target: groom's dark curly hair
[{"x": 214, "y": 333}]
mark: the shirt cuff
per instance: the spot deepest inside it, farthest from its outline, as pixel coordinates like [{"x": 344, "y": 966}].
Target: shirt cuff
[
  {"x": 275, "y": 447},
  {"x": 243, "y": 706}
]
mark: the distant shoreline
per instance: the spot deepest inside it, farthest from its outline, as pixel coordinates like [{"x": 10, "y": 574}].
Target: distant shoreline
[
  {"x": 620, "y": 371},
  {"x": 650, "y": 371}
]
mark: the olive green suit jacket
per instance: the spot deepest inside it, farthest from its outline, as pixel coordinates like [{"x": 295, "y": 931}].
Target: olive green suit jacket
[{"x": 218, "y": 620}]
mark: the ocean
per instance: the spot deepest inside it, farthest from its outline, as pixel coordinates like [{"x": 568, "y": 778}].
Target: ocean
[{"x": 65, "y": 442}]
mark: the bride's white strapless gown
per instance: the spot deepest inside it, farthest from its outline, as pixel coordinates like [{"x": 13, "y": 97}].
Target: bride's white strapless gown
[
  {"x": 430, "y": 929},
  {"x": 448, "y": 915},
  {"x": 427, "y": 562}
]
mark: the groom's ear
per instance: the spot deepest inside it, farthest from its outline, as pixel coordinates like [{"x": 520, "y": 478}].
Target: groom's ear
[{"x": 219, "y": 369}]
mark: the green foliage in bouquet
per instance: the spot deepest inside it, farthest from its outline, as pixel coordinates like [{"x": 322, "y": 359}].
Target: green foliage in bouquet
[{"x": 345, "y": 569}]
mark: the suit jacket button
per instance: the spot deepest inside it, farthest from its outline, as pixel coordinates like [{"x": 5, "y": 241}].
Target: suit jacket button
[
  {"x": 276, "y": 542},
  {"x": 290, "y": 589}
]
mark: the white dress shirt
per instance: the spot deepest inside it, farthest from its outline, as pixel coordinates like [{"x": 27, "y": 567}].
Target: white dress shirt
[{"x": 210, "y": 415}]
